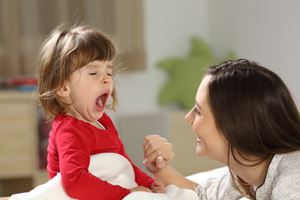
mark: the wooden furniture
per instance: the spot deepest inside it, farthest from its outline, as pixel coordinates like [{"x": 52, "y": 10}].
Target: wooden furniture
[{"x": 19, "y": 168}]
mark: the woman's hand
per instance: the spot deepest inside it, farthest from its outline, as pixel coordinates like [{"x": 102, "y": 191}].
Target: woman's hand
[{"x": 158, "y": 153}]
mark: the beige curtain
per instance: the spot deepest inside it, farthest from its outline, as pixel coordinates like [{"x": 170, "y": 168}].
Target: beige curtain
[{"x": 26, "y": 23}]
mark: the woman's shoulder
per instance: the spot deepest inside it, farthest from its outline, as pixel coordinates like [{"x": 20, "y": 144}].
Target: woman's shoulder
[
  {"x": 288, "y": 160},
  {"x": 284, "y": 163},
  {"x": 216, "y": 184},
  {"x": 283, "y": 177},
  {"x": 286, "y": 182},
  {"x": 286, "y": 167}
]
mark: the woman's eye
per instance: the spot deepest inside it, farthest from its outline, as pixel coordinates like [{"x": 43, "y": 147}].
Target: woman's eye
[
  {"x": 196, "y": 111},
  {"x": 94, "y": 73},
  {"x": 109, "y": 74}
]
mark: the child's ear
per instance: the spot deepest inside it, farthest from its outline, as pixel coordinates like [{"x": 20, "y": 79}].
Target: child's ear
[{"x": 64, "y": 91}]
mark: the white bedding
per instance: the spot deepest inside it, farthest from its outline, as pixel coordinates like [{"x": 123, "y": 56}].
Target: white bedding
[
  {"x": 197, "y": 178},
  {"x": 113, "y": 168}
]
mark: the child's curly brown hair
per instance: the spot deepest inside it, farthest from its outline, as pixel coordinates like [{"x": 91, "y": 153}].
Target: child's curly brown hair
[{"x": 63, "y": 52}]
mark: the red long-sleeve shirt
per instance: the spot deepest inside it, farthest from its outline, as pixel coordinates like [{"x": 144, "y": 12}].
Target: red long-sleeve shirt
[{"x": 71, "y": 142}]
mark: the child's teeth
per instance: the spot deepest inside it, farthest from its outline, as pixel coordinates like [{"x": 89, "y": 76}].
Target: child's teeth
[{"x": 100, "y": 102}]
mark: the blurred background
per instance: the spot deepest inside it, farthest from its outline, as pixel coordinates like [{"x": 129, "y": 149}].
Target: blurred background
[{"x": 160, "y": 42}]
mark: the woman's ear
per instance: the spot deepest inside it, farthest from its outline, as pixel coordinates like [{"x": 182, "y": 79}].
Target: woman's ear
[{"x": 64, "y": 91}]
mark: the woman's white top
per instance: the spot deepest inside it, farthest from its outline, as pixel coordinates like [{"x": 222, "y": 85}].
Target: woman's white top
[{"x": 282, "y": 182}]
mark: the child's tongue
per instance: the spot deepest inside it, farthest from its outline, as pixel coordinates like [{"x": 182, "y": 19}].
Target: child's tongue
[{"x": 100, "y": 101}]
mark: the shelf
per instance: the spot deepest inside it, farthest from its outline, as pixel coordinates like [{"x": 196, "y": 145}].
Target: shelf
[{"x": 19, "y": 149}]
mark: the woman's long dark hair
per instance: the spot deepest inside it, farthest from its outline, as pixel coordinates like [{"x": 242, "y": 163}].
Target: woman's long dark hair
[{"x": 254, "y": 110}]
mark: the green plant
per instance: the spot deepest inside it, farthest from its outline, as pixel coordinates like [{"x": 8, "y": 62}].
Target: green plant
[{"x": 186, "y": 73}]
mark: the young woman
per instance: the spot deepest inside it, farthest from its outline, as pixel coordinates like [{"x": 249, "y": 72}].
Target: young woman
[{"x": 245, "y": 117}]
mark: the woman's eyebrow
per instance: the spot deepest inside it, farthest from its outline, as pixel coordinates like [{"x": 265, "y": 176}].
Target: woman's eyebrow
[{"x": 197, "y": 104}]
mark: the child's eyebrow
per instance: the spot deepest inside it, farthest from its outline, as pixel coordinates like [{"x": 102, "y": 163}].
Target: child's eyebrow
[
  {"x": 89, "y": 66},
  {"x": 93, "y": 66},
  {"x": 109, "y": 66}
]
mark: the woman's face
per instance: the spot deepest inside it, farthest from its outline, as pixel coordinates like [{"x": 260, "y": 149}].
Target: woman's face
[{"x": 210, "y": 141}]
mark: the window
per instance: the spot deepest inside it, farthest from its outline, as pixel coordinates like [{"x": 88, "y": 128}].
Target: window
[{"x": 26, "y": 23}]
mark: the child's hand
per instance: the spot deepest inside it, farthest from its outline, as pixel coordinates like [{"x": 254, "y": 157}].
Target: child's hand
[
  {"x": 158, "y": 187},
  {"x": 140, "y": 188}
]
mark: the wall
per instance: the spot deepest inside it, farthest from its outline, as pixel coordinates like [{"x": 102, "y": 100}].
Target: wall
[
  {"x": 169, "y": 24},
  {"x": 266, "y": 31}
]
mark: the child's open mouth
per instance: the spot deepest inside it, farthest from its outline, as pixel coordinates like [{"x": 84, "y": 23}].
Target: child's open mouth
[{"x": 101, "y": 101}]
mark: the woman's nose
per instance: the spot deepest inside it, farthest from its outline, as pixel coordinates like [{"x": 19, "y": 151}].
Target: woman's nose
[{"x": 189, "y": 118}]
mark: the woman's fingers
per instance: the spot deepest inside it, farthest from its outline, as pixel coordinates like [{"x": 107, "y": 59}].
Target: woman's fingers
[
  {"x": 154, "y": 143},
  {"x": 151, "y": 141},
  {"x": 157, "y": 152},
  {"x": 155, "y": 148},
  {"x": 160, "y": 162}
]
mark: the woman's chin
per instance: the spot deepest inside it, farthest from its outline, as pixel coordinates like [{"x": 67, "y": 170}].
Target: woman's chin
[{"x": 200, "y": 150}]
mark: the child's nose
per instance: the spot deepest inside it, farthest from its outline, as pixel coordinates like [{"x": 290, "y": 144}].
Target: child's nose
[{"x": 106, "y": 79}]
